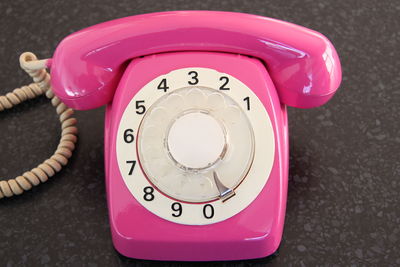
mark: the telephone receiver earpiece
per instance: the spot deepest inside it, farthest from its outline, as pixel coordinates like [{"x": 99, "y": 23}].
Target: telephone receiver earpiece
[{"x": 303, "y": 64}]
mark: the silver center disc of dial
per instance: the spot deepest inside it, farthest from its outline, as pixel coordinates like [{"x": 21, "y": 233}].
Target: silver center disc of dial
[{"x": 196, "y": 140}]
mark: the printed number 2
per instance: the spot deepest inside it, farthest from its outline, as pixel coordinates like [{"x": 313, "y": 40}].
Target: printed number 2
[
  {"x": 226, "y": 81},
  {"x": 208, "y": 211}
]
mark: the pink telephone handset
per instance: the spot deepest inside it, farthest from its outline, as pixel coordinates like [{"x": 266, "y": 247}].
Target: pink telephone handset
[{"x": 196, "y": 135}]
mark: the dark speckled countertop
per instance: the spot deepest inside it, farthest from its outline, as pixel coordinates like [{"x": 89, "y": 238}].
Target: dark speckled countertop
[{"x": 343, "y": 204}]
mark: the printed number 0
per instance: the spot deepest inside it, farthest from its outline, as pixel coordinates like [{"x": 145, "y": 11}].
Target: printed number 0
[{"x": 208, "y": 211}]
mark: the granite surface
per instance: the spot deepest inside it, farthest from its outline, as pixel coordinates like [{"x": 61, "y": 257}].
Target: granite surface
[{"x": 343, "y": 201}]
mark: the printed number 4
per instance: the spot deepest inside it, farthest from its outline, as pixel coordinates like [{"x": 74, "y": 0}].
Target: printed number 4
[{"x": 163, "y": 85}]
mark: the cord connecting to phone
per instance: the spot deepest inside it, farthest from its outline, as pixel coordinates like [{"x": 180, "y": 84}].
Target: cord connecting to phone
[{"x": 41, "y": 85}]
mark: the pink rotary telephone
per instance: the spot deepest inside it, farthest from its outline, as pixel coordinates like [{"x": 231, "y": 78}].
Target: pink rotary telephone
[{"x": 196, "y": 135}]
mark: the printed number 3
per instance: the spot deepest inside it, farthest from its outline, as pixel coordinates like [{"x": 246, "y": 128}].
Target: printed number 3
[{"x": 193, "y": 75}]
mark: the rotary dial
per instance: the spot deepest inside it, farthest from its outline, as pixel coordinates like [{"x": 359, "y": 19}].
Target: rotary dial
[{"x": 195, "y": 146}]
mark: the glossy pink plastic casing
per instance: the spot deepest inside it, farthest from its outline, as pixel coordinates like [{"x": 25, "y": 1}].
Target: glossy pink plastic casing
[
  {"x": 87, "y": 65},
  {"x": 254, "y": 232}
]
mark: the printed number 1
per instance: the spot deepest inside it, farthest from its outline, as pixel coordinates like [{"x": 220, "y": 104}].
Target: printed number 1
[{"x": 247, "y": 100}]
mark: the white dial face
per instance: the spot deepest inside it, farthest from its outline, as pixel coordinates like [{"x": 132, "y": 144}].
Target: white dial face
[{"x": 195, "y": 146}]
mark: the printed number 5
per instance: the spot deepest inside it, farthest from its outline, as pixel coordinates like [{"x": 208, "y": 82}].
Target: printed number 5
[{"x": 140, "y": 108}]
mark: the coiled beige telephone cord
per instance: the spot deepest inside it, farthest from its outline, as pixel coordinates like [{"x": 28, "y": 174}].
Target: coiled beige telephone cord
[{"x": 41, "y": 85}]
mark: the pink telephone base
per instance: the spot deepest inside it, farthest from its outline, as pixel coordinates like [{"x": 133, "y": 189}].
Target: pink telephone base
[{"x": 253, "y": 233}]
